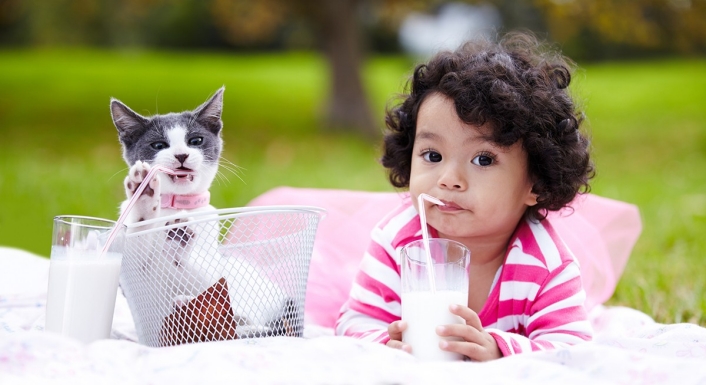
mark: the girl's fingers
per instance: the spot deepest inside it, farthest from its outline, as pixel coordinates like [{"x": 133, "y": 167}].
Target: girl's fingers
[
  {"x": 464, "y": 332},
  {"x": 476, "y": 343},
  {"x": 395, "y": 329},
  {"x": 473, "y": 351},
  {"x": 467, "y": 314},
  {"x": 399, "y": 345}
]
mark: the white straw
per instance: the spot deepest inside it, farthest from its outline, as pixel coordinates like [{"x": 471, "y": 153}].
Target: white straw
[
  {"x": 425, "y": 236},
  {"x": 143, "y": 185}
]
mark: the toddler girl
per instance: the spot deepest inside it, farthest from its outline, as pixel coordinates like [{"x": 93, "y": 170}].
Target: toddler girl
[{"x": 492, "y": 131}]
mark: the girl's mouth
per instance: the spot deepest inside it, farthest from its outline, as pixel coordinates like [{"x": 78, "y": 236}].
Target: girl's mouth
[{"x": 449, "y": 207}]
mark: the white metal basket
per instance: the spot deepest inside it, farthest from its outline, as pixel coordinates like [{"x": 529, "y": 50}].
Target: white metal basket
[{"x": 224, "y": 274}]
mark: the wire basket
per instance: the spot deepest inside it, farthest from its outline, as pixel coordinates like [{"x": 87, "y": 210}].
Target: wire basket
[{"x": 224, "y": 274}]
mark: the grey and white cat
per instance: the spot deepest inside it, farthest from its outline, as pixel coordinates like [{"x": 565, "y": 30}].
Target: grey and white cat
[{"x": 188, "y": 142}]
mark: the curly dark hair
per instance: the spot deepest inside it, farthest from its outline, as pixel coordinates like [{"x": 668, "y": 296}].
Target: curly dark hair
[{"x": 519, "y": 88}]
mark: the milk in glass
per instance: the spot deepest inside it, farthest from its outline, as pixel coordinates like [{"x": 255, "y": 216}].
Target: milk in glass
[
  {"x": 424, "y": 311},
  {"x": 81, "y": 293}
]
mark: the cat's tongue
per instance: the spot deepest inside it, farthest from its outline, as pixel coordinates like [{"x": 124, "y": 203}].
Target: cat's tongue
[
  {"x": 182, "y": 177},
  {"x": 181, "y": 174}
]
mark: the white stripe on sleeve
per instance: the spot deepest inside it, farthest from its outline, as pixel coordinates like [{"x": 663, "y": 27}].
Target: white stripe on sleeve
[
  {"x": 575, "y": 300},
  {"x": 570, "y": 272},
  {"x": 518, "y": 290},
  {"x": 362, "y": 295},
  {"x": 380, "y": 272},
  {"x": 546, "y": 245}
]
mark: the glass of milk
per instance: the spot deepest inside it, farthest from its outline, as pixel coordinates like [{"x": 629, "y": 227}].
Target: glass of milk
[
  {"x": 83, "y": 280},
  {"x": 423, "y": 308}
]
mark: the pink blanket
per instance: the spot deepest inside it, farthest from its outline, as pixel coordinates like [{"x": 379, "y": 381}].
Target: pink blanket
[{"x": 600, "y": 231}]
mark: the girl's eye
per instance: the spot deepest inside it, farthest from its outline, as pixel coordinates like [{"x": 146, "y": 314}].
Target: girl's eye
[
  {"x": 159, "y": 145},
  {"x": 195, "y": 141},
  {"x": 482, "y": 160},
  {"x": 432, "y": 156}
]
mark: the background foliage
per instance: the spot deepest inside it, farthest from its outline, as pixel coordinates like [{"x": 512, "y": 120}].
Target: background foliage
[{"x": 586, "y": 29}]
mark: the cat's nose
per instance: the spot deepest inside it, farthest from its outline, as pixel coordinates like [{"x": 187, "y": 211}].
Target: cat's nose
[{"x": 181, "y": 158}]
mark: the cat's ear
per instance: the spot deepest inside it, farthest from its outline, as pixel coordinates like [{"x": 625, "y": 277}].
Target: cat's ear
[
  {"x": 209, "y": 113},
  {"x": 125, "y": 119}
]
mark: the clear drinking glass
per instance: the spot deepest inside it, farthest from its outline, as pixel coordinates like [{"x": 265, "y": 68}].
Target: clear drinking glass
[
  {"x": 423, "y": 308},
  {"x": 83, "y": 280}
]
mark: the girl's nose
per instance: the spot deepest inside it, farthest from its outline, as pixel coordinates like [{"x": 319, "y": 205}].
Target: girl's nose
[{"x": 453, "y": 179}]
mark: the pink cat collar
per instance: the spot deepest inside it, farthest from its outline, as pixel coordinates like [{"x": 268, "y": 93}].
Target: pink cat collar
[{"x": 194, "y": 201}]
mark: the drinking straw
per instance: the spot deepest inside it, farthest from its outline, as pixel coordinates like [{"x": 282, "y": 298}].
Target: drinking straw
[
  {"x": 425, "y": 236},
  {"x": 143, "y": 185}
]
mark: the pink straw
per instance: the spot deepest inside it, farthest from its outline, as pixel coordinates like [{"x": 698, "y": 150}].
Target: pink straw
[
  {"x": 133, "y": 200},
  {"x": 425, "y": 236}
]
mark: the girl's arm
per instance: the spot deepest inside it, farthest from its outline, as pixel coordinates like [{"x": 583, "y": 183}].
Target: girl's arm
[
  {"x": 557, "y": 317},
  {"x": 374, "y": 300}
]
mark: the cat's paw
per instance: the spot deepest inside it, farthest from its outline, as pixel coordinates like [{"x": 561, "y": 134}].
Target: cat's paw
[
  {"x": 147, "y": 205},
  {"x": 181, "y": 235},
  {"x": 138, "y": 173}
]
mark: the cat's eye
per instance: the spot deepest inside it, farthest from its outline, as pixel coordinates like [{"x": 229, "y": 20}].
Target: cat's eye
[
  {"x": 159, "y": 145},
  {"x": 195, "y": 141}
]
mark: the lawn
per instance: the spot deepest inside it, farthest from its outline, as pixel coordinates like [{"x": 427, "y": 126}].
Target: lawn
[{"x": 60, "y": 155}]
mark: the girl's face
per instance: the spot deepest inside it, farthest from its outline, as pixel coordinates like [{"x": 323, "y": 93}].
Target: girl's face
[{"x": 486, "y": 188}]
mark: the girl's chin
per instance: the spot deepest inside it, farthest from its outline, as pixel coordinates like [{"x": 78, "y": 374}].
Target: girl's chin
[
  {"x": 455, "y": 235},
  {"x": 450, "y": 230}
]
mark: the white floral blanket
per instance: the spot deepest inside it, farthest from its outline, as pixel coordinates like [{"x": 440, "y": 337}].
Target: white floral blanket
[{"x": 630, "y": 348}]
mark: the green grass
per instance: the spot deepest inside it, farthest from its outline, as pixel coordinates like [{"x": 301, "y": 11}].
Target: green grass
[
  {"x": 649, "y": 126},
  {"x": 60, "y": 155}
]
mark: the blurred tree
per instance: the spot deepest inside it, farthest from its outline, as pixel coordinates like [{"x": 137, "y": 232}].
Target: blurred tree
[
  {"x": 337, "y": 27},
  {"x": 11, "y": 31},
  {"x": 617, "y": 28}
]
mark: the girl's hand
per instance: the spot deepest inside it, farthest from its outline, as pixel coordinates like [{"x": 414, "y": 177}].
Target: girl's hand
[
  {"x": 477, "y": 344},
  {"x": 395, "y": 330}
]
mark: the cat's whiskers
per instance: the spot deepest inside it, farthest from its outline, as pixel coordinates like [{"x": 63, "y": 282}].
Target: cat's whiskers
[
  {"x": 122, "y": 170},
  {"x": 227, "y": 165},
  {"x": 220, "y": 177}
]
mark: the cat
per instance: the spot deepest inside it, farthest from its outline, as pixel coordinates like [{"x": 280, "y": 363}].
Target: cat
[
  {"x": 183, "y": 265},
  {"x": 189, "y": 141}
]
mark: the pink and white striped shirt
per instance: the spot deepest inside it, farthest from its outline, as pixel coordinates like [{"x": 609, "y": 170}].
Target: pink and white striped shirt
[{"x": 536, "y": 301}]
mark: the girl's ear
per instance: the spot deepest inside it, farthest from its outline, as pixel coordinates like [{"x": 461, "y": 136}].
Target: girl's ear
[{"x": 531, "y": 198}]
